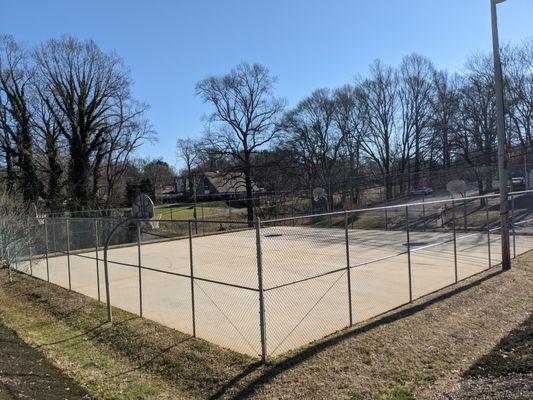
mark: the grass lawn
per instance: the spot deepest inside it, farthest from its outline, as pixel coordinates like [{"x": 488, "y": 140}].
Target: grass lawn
[
  {"x": 419, "y": 351},
  {"x": 180, "y": 213}
]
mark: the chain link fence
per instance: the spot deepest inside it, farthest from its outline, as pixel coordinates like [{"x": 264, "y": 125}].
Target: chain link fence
[{"x": 267, "y": 289}]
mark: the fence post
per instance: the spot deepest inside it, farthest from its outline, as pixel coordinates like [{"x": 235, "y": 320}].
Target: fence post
[
  {"x": 106, "y": 269},
  {"x": 31, "y": 261},
  {"x": 96, "y": 236},
  {"x": 193, "y": 309},
  {"x": 348, "y": 269},
  {"x": 138, "y": 225},
  {"x": 386, "y": 216},
  {"x": 68, "y": 253},
  {"x": 488, "y": 231},
  {"x": 54, "y": 240},
  {"x": 409, "y": 254},
  {"x": 260, "y": 287},
  {"x": 196, "y": 219},
  {"x": 512, "y": 227},
  {"x": 424, "y": 211},
  {"x": 46, "y": 250},
  {"x": 454, "y": 243},
  {"x": 9, "y": 264},
  {"x": 465, "y": 223},
  {"x": 203, "y": 223}
]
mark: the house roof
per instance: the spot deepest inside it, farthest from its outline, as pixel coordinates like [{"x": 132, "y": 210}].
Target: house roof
[
  {"x": 232, "y": 182},
  {"x": 168, "y": 189}
]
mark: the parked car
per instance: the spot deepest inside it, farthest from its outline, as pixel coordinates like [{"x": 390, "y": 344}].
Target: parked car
[
  {"x": 424, "y": 191},
  {"x": 518, "y": 183},
  {"x": 496, "y": 187}
]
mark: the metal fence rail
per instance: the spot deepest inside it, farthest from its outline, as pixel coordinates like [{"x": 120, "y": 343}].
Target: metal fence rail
[{"x": 270, "y": 288}]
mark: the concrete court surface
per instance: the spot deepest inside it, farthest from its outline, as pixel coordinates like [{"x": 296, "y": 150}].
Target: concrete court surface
[{"x": 295, "y": 314}]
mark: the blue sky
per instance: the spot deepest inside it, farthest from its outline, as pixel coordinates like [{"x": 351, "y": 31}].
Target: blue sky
[{"x": 170, "y": 45}]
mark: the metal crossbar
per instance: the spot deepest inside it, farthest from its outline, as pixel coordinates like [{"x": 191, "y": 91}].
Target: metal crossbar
[{"x": 399, "y": 206}]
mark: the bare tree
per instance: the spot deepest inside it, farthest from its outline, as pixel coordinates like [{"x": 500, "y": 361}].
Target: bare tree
[
  {"x": 444, "y": 109},
  {"x": 245, "y": 118},
  {"x": 16, "y": 116},
  {"x": 351, "y": 122},
  {"x": 50, "y": 146},
  {"x": 189, "y": 151},
  {"x": 130, "y": 131},
  {"x": 415, "y": 94},
  {"x": 84, "y": 89},
  {"x": 16, "y": 230},
  {"x": 315, "y": 139},
  {"x": 518, "y": 70},
  {"x": 476, "y": 136},
  {"x": 379, "y": 99},
  {"x": 7, "y": 149}
]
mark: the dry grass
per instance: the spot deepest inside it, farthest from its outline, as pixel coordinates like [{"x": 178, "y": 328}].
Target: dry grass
[
  {"x": 133, "y": 358},
  {"x": 419, "y": 351},
  {"x": 504, "y": 373},
  {"x": 26, "y": 373}
]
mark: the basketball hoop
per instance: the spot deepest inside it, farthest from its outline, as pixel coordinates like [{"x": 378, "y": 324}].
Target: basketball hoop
[
  {"x": 319, "y": 193},
  {"x": 142, "y": 207},
  {"x": 456, "y": 186},
  {"x": 39, "y": 217}
]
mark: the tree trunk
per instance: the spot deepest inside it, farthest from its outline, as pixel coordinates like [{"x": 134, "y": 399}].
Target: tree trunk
[
  {"x": 446, "y": 150},
  {"x": 96, "y": 176},
  {"x": 191, "y": 184},
  {"x": 31, "y": 187},
  {"x": 416, "y": 177},
  {"x": 479, "y": 180},
  {"x": 330, "y": 205},
  {"x": 78, "y": 175},
  {"x": 10, "y": 172},
  {"x": 388, "y": 186},
  {"x": 249, "y": 195},
  {"x": 54, "y": 178}
]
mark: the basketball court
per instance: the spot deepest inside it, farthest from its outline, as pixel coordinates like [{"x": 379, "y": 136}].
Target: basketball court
[{"x": 300, "y": 306}]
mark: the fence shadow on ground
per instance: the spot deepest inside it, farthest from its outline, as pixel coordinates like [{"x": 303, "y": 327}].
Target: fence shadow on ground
[
  {"x": 25, "y": 372},
  {"x": 512, "y": 355},
  {"x": 276, "y": 368},
  {"x": 71, "y": 338},
  {"x": 146, "y": 363}
]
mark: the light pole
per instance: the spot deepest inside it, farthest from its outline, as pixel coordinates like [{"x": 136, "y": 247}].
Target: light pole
[{"x": 500, "y": 125}]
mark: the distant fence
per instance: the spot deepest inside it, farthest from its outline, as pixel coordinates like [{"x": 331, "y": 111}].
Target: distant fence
[{"x": 285, "y": 282}]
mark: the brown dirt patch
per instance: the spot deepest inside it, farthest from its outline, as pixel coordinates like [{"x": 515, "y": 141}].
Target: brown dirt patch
[{"x": 25, "y": 373}]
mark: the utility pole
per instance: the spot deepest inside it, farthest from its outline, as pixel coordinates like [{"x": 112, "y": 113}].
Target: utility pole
[{"x": 502, "y": 156}]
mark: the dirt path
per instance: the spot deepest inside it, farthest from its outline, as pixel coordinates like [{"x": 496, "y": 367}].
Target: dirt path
[{"x": 26, "y": 374}]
